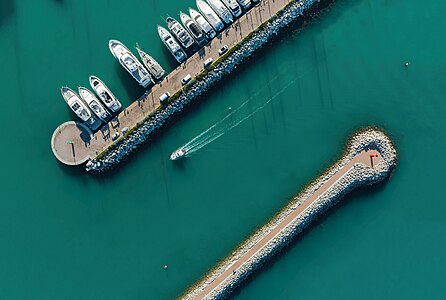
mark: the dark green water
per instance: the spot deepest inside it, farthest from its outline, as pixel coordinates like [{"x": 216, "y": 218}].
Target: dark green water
[{"x": 67, "y": 235}]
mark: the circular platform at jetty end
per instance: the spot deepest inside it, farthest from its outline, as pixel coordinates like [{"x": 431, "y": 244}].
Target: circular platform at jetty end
[{"x": 71, "y": 143}]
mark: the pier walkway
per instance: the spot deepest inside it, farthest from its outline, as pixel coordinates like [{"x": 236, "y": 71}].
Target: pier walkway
[
  {"x": 368, "y": 158},
  {"x": 137, "y": 111}
]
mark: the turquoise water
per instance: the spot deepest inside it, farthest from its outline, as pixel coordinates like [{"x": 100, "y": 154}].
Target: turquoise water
[{"x": 68, "y": 235}]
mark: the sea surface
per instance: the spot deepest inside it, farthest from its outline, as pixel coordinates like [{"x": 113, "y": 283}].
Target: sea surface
[{"x": 65, "y": 234}]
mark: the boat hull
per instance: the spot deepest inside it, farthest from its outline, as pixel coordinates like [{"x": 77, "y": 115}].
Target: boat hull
[
  {"x": 195, "y": 30},
  {"x": 181, "y": 34},
  {"x": 94, "y": 104},
  {"x": 234, "y": 7},
  {"x": 178, "y": 154},
  {"x": 130, "y": 63},
  {"x": 202, "y": 23},
  {"x": 151, "y": 64},
  {"x": 209, "y": 14},
  {"x": 80, "y": 108},
  {"x": 221, "y": 10},
  {"x": 104, "y": 94},
  {"x": 246, "y": 4},
  {"x": 171, "y": 44}
]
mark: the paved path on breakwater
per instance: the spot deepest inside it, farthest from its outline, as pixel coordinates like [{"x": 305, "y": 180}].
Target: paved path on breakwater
[
  {"x": 368, "y": 158},
  {"x": 136, "y": 112}
]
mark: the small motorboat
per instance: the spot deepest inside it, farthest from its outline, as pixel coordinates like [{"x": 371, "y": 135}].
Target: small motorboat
[{"x": 178, "y": 154}]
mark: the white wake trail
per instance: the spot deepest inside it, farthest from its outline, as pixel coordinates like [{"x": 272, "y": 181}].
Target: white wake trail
[{"x": 221, "y": 127}]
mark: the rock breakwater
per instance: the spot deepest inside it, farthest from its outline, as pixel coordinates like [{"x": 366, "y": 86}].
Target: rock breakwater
[
  {"x": 346, "y": 174},
  {"x": 243, "y": 52}
]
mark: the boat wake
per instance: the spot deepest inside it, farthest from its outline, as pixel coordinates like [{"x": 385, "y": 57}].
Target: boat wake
[{"x": 230, "y": 121}]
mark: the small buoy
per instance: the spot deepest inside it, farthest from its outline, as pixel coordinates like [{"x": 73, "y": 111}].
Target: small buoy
[
  {"x": 406, "y": 64},
  {"x": 230, "y": 108},
  {"x": 165, "y": 267}
]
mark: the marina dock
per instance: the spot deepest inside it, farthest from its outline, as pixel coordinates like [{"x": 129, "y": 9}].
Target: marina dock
[{"x": 70, "y": 148}]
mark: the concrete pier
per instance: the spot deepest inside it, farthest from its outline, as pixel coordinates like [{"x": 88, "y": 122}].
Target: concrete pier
[
  {"x": 71, "y": 143},
  {"x": 140, "y": 109},
  {"x": 370, "y": 157}
]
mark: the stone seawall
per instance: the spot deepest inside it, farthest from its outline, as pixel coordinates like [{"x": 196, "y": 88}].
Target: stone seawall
[
  {"x": 355, "y": 176},
  {"x": 244, "y": 51}
]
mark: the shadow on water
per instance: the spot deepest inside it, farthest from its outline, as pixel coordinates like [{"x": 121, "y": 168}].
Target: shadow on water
[
  {"x": 362, "y": 193},
  {"x": 6, "y": 11},
  {"x": 181, "y": 164},
  {"x": 131, "y": 86},
  {"x": 171, "y": 61},
  {"x": 76, "y": 171},
  {"x": 151, "y": 143}
]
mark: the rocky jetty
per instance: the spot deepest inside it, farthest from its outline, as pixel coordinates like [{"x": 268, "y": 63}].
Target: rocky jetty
[
  {"x": 243, "y": 52},
  {"x": 358, "y": 175}
]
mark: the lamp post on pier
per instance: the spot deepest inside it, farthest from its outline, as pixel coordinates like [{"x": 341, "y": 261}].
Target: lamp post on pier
[{"x": 72, "y": 149}]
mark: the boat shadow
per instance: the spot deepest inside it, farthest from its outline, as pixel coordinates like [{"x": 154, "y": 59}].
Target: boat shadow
[
  {"x": 7, "y": 11},
  {"x": 85, "y": 136},
  {"x": 131, "y": 86}
]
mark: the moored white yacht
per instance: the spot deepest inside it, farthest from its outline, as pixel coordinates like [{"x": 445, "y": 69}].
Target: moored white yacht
[
  {"x": 180, "y": 33},
  {"x": 178, "y": 154},
  {"x": 221, "y": 10},
  {"x": 195, "y": 31},
  {"x": 210, "y": 15},
  {"x": 94, "y": 104},
  {"x": 151, "y": 64},
  {"x": 244, "y": 3},
  {"x": 171, "y": 44},
  {"x": 80, "y": 108},
  {"x": 130, "y": 63},
  {"x": 104, "y": 94},
  {"x": 202, "y": 23},
  {"x": 233, "y": 7}
]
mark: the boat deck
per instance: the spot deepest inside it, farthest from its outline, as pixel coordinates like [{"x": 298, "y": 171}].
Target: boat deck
[{"x": 137, "y": 111}]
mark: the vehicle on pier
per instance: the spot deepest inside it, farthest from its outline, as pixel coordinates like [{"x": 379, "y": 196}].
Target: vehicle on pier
[
  {"x": 80, "y": 108},
  {"x": 210, "y": 15},
  {"x": 151, "y": 64},
  {"x": 233, "y": 7},
  {"x": 208, "y": 62},
  {"x": 244, "y": 3},
  {"x": 130, "y": 63},
  {"x": 105, "y": 94},
  {"x": 171, "y": 44},
  {"x": 181, "y": 34},
  {"x": 202, "y": 23},
  {"x": 223, "y": 50},
  {"x": 195, "y": 31},
  {"x": 164, "y": 97},
  {"x": 221, "y": 10},
  {"x": 94, "y": 104},
  {"x": 178, "y": 154}
]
